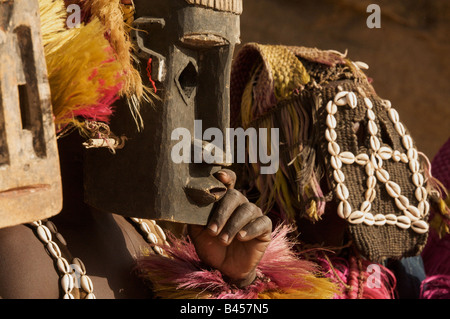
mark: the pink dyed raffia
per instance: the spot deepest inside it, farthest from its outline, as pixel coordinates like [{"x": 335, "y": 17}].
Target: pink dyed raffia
[
  {"x": 436, "y": 254},
  {"x": 345, "y": 274},
  {"x": 279, "y": 269},
  {"x": 436, "y": 287}
]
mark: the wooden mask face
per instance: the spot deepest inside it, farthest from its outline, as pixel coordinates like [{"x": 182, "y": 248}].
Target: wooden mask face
[
  {"x": 30, "y": 182},
  {"x": 187, "y": 52}
]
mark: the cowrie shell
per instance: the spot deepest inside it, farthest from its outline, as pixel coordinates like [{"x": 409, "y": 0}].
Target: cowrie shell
[
  {"x": 387, "y": 104},
  {"x": 330, "y": 135},
  {"x": 68, "y": 296},
  {"x": 339, "y": 176},
  {"x": 340, "y": 98},
  {"x": 67, "y": 283},
  {"x": 362, "y": 159},
  {"x": 373, "y": 128},
  {"x": 61, "y": 239},
  {"x": 407, "y": 142},
  {"x": 404, "y": 158},
  {"x": 331, "y": 121},
  {"x": 136, "y": 220},
  {"x": 368, "y": 103},
  {"x": 352, "y": 100},
  {"x": 63, "y": 265},
  {"x": 37, "y": 223},
  {"x": 371, "y": 182},
  {"x": 347, "y": 157},
  {"x": 44, "y": 233},
  {"x": 369, "y": 219},
  {"x": 331, "y": 108},
  {"x": 86, "y": 284},
  {"x": 385, "y": 152},
  {"x": 420, "y": 226},
  {"x": 391, "y": 219},
  {"x": 159, "y": 250},
  {"x": 370, "y": 195},
  {"x": 412, "y": 154},
  {"x": 333, "y": 148},
  {"x": 366, "y": 206},
  {"x": 424, "y": 208},
  {"x": 382, "y": 175},
  {"x": 356, "y": 217},
  {"x": 152, "y": 238},
  {"x": 396, "y": 156},
  {"x": 90, "y": 296},
  {"x": 336, "y": 162},
  {"x": 79, "y": 263},
  {"x": 342, "y": 192},
  {"x": 53, "y": 249},
  {"x": 160, "y": 232},
  {"x": 400, "y": 128},
  {"x": 402, "y": 202},
  {"x": 421, "y": 193},
  {"x": 393, "y": 115},
  {"x": 144, "y": 227},
  {"x": 412, "y": 213},
  {"x": 51, "y": 226},
  {"x": 376, "y": 161},
  {"x": 393, "y": 189},
  {"x": 371, "y": 115},
  {"x": 344, "y": 209},
  {"x": 414, "y": 166},
  {"x": 361, "y": 65},
  {"x": 403, "y": 222},
  {"x": 370, "y": 170},
  {"x": 380, "y": 220},
  {"x": 375, "y": 143}
]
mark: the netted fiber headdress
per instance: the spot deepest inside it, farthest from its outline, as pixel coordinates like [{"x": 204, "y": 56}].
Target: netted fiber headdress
[{"x": 340, "y": 143}]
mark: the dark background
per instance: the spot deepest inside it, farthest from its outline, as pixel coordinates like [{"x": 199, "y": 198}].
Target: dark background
[{"x": 408, "y": 56}]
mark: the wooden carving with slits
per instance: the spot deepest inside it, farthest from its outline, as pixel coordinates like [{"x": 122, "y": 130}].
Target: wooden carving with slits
[{"x": 30, "y": 182}]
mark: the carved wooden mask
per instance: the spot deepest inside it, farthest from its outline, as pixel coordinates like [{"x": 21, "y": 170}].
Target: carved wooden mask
[
  {"x": 30, "y": 182},
  {"x": 188, "y": 48}
]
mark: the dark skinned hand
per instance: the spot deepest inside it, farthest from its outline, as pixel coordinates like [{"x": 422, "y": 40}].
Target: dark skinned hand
[{"x": 236, "y": 236}]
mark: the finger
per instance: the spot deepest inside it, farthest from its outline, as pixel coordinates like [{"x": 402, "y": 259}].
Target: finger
[
  {"x": 227, "y": 177},
  {"x": 226, "y": 206},
  {"x": 259, "y": 228},
  {"x": 238, "y": 220}
]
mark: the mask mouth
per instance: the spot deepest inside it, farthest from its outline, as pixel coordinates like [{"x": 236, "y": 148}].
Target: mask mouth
[
  {"x": 204, "y": 191},
  {"x": 19, "y": 191}
]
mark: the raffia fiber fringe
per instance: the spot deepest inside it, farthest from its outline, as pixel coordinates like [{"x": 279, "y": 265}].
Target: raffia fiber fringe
[
  {"x": 84, "y": 76},
  {"x": 280, "y": 274}
]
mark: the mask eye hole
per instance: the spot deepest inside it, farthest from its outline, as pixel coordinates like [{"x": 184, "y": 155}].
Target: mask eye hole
[
  {"x": 385, "y": 136},
  {"x": 360, "y": 132},
  {"x": 188, "y": 80}
]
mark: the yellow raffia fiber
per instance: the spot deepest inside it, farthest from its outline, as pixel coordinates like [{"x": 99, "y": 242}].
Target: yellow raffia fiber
[
  {"x": 437, "y": 222},
  {"x": 79, "y": 62},
  {"x": 112, "y": 15},
  {"x": 287, "y": 71},
  {"x": 320, "y": 288},
  {"x": 287, "y": 74}
]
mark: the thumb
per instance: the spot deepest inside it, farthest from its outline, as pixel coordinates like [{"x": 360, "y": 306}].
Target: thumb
[{"x": 227, "y": 177}]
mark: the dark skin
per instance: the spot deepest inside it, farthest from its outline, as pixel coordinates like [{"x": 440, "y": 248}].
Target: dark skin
[
  {"x": 236, "y": 236},
  {"x": 109, "y": 245}
]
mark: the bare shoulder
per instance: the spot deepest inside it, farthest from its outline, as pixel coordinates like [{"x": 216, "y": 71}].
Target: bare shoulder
[{"x": 27, "y": 270}]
